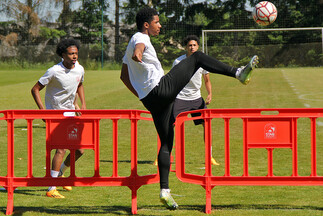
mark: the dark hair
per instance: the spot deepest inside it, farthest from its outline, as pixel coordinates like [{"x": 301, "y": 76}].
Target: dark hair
[
  {"x": 191, "y": 37},
  {"x": 64, "y": 44},
  {"x": 145, "y": 15}
]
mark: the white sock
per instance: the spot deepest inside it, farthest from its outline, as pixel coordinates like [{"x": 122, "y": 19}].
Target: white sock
[
  {"x": 164, "y": 190},
  {"x": 54, "y": 174},
  {"x": 238, "y": 72},
  {"x": 63, "y": 169}
]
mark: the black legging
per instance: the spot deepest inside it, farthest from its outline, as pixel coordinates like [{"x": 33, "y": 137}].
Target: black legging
[{"x": 161, "y": 99}]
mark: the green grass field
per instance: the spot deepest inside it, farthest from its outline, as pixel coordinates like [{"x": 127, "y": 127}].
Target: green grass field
[{"x": 270, "y": 88}]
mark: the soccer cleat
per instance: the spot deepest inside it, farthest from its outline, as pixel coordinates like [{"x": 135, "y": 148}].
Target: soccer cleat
[
  {"x": 67, "y": 188},
  {"x": 213, "y": 162},
  {"x": 54, "y": 194},
  {"x": 167, "y": 199},
  {"x": 244, "y": 72}
]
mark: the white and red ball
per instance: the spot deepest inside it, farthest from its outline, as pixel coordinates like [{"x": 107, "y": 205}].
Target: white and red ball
[{"x": 264, "y": 13}]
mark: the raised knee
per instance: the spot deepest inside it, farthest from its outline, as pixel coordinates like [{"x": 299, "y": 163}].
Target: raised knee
[{"x": 60, "y": 151}]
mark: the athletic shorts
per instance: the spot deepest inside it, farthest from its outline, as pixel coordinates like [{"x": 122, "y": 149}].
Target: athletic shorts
[{"x": 189, "y": 105}]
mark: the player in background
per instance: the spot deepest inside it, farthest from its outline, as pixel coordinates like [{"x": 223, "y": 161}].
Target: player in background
[
  {"x": 143, "y": 75},
  {"x": 190, "y": 97},
  {"x": 63, "y": 81}
]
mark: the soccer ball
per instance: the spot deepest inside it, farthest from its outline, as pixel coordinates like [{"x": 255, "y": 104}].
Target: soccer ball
[{"x": 264, "y": 13}]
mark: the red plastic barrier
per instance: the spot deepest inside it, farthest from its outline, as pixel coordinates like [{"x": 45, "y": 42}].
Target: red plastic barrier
[
  {"x": 262, "y": 128},
  {"x": 79, "y": 132}
]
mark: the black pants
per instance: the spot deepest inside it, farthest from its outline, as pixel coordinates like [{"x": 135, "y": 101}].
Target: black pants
[{"x": 161, "y": 99}]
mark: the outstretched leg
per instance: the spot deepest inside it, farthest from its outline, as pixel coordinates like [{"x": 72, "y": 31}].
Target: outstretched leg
[{"x": 176, "y": 79}]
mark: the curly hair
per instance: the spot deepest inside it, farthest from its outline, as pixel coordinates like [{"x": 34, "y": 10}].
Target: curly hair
[
  {"x": 64, "y": 44},
  {"x": 191, "y": 37},
  {"x": 145, "y": 15}
]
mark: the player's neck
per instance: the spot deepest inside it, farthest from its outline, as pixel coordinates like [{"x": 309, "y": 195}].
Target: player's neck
[
  {"x": 145, "y": 31},
  {"x": 68, "y": 66}
]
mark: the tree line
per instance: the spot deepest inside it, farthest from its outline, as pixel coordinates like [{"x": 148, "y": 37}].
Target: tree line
[{"x": 25, "y": 27}]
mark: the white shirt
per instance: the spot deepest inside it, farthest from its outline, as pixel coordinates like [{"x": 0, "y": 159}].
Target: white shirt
[
  {"x": 192, "y": 90},
  {"x": 61, "y": 85},
  {"x": 145, "y": 75}
]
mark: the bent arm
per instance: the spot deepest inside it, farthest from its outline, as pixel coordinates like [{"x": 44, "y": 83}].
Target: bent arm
[
  {"x": 208, "y": 87},
  {"x": 126, "y": 80},
  {"x": 36, "y": 95},
  {"x": 137, "y": 53},
  {"x": 80, "y": 91}
]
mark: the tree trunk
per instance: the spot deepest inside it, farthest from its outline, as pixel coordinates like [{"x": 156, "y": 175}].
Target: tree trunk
[{"x": 116, "y": 35}]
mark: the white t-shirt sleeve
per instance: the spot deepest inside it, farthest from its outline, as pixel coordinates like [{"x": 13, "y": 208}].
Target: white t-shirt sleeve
[
  {"x": 175, "y": 62},
  {"x": 179, "y": 59},
  {"x": 46, "y": 78},
  {"x": 142, "y": 39},
  {"x": 136, "y": 40}
]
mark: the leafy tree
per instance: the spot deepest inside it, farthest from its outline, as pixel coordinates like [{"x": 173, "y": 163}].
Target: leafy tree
[
  {"x": 65, "y": 18},
  {"x": 25, "y": 17},
  {"x": 87, "y": 21}
]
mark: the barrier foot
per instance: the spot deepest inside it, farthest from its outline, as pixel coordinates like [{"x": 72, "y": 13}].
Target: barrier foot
[
  {"x": 134, "y": 201},
  {"x": 208, "y": 195},
  {"x": 10, "y": 191}
]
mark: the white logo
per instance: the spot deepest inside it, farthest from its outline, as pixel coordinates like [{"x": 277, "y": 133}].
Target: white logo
[
  {"x": 72, "y": 132},
  {"x": 270, "y": 131}
]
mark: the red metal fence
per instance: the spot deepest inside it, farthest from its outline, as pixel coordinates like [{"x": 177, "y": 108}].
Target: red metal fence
[{"x": 262, "y": 128}]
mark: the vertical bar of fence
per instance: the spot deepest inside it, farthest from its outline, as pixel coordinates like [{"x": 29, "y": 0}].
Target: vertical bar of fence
[
  {"x": 72, "y": 163},
  {"x": 10, "y": 165},
  {"x": 97, "y": 147},
  {"x": 245, "y": 148},
  {"x": 227, "y": 146},
  {"x": 115, "y": 147},
  {"x": 294, "y": 148},
  {"x": 313, "y": 145},
  {"x": 207, "y": 140},
  {"x": 134, "y": 150},
  {"x": 180, "y": 148},
  {"x": 30, "y": 148},
  {"x": 10, "y": 140},
  {"x": 208, "y": 169},
  {"x": 270, "y": 162},
  {"x": 48, "y": 149},
  {"x": 134, "y": 160}
]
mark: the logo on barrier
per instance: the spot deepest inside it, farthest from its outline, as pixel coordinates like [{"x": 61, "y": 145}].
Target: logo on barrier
[
  {"x": 72, "y": 132},
  {"x": 270, "y": 131}
]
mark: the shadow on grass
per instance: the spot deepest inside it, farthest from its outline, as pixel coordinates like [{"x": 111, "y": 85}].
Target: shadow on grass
[
  {"x": 265, "y": 207},
  {"x": 34, "y": 126},
  {"x": 71, "y": 210},
  {"x": 32, "y": 192},
  {"x": 142, "y": 210},
  {"x": 125, "y": 210}
]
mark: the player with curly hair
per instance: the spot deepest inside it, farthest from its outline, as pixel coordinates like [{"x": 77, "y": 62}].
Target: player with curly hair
[{"x": 63, "y": 82}]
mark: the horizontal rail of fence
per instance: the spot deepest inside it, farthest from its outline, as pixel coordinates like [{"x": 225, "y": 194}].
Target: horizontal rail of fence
[
  {"x": 72, "y": 133},
  {"x": 263, "y": 129}
]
